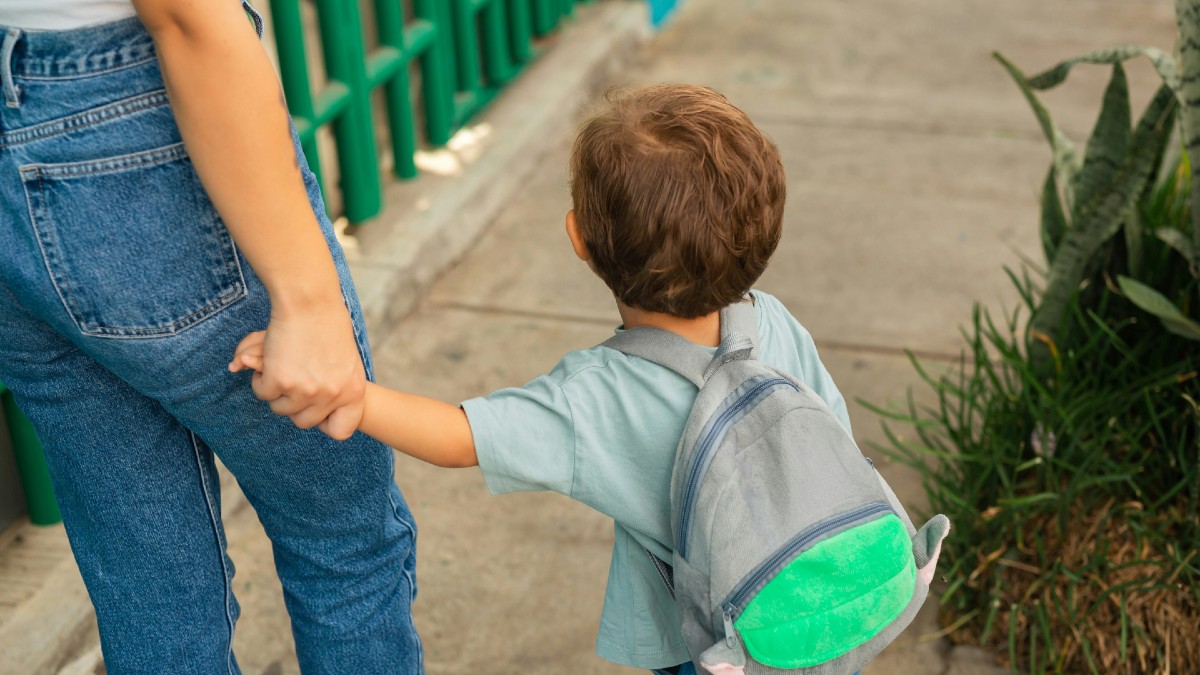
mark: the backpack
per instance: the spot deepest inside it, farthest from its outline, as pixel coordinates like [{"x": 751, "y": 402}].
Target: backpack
[{"x": 791, "y": 553}]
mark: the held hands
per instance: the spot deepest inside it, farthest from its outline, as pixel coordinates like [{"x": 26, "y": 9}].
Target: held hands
[
  {"x": 424, "y": 428},
  {"x": 308, "y": 371}
]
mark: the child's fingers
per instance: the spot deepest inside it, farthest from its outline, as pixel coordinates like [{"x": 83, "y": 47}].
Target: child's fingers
[
  {"x": 343, "y": 422},
  {"x": 252, "y": 361},
  {"x": 249, "y": 353}
]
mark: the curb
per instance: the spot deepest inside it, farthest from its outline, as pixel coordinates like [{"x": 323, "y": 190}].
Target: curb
[{"x": 431, "y": 221}]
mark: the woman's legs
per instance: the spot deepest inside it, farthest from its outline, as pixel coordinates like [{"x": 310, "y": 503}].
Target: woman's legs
[{"x": 121, "y": 301}]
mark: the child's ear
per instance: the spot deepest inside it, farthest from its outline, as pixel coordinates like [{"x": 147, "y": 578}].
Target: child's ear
[{"x": 576, "y": 241}]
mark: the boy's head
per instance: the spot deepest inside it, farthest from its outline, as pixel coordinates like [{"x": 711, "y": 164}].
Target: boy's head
[{"x": 678, "y": 198}]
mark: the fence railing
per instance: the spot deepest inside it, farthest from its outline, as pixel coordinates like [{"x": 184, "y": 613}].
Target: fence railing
[{"x": 464, "y": 50}]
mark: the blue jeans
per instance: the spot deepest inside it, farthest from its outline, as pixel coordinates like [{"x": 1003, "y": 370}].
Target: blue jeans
[
  {"x": 122, "y": 297},
  {"x": 681, "y": 669}
]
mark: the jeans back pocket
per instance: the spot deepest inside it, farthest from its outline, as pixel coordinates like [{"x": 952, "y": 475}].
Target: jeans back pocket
[{"x": 132, "y": 244}]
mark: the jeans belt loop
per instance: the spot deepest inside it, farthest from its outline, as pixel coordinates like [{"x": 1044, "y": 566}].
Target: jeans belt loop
[{"x": 12, "y": 93}]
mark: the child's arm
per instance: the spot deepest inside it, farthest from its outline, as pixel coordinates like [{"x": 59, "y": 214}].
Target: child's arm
[
  {"x": 420, "y": 427},
  {"x": 431, "y": 431}
]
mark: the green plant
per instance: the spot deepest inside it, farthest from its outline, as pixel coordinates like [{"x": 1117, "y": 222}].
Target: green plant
[
  {"x": 1065, "y": 445},
  {"x": 1075, "y": 500},
  {"x": 1187, "y": 18},
  {"x": 1086, "y": 202}
]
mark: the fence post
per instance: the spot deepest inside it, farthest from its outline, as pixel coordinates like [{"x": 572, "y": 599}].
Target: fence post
[
  {"x": 520, "y": 30},
  {"x": 293, "y": 72},
  {"x": 545, "y": 16},
  {"x": 345, "y": 61},
  {"x": 437, "y": 73},
  {"x": 31, "y": 464},
  {"x": 466, "y": 53},
  {"x": 394, "y": 60},
  {"x": 496, "y": 52}
]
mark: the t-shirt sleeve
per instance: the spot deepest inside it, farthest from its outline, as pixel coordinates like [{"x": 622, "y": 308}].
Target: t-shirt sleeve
[
  {"x": 524, "y": 438},
  {"x": 817, "y": 377},
  {"x": 812, "y": 371}
]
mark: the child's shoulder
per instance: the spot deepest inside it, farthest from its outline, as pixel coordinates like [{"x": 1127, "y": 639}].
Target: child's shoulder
[
  {"x": 775, "y": 321},
  {"x": 770, "y": 308},
  {"x": 584, "y": 363},
  {"x": 583, "y": 367},
  {"x": 602, "y": 372},
  {"x": 607, "y": 368}
]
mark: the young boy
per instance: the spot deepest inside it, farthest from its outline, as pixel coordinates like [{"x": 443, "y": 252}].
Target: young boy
[{"x": 678, "y": 206}]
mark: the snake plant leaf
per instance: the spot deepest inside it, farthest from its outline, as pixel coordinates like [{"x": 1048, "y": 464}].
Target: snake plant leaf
[
  {"x": 1067, "y": 162},
  {"x": 1108, "y": 146},
  {"x": 1187, "y": 16},
  {"x": 1100, "y": 217},
  {"x": 1179, "y": 241},
  {"x": 1134, "y": 228},
  {"x": 1054, "y": 219},
  {"x": 1157, "y": 304},
  {"x": 1162, "y": 62}
]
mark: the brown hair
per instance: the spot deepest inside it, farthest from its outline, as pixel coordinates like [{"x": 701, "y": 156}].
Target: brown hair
[{"x": 678, "y": 197}]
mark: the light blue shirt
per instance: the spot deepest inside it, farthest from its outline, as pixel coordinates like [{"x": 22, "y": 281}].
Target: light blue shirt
[{"x": 602, "y": 428}]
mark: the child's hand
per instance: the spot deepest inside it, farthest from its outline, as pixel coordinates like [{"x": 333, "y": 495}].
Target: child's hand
[{"x": 249, "y": 354}]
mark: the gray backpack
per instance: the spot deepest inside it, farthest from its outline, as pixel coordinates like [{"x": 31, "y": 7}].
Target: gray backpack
[{"x": 791, "y": 553}]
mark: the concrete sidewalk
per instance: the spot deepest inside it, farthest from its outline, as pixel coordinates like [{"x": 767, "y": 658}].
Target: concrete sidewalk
[{"x": 914, "y": 167}]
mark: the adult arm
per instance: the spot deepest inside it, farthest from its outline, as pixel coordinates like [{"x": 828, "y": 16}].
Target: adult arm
[{"x": 232, "y": 117}]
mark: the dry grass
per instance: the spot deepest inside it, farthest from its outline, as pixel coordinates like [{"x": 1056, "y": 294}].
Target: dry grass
[{"x": 1129, "y": 614}]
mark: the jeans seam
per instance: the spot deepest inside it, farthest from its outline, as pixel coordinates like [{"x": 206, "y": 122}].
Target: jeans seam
[
  {"x": 229, "y": 297},
  {"x": 411, "y": 577},
  {"x": 215, "y": 521},
  {"x": 37, "y": 236},
  {"x": 98, "y": 167},
  {"x": 85, "y": 119},
  {"x": 88, "y": 73}
]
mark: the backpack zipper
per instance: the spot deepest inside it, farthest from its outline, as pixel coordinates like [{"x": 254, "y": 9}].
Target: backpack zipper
[
  {"x": 749, "y": 585},
  {"x": 700, "y": 460}
]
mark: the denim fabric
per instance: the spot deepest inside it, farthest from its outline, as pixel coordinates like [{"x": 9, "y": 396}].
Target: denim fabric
[
  {"x": 122, "y": 297},
  {"x": 681, "y": 669}
]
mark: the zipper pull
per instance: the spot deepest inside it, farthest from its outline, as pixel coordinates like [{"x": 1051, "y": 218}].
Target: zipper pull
[{"x": 730, "y": 636}]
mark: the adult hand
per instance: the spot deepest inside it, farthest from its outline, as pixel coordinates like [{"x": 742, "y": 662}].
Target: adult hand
[{"x": 307, "y": 368}]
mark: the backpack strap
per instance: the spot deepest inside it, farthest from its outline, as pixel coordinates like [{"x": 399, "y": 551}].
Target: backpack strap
[
  {"x": 254, "y": 16},
  {"x": 739, "y": 340}
]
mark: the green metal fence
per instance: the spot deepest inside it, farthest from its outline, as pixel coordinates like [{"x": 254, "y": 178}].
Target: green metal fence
[
  {"x": 465, "y": 51},
  {"x": 31, "y": 463}
]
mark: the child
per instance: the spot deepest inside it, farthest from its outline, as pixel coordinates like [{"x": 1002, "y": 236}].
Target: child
[{"x": 678, "y": 206}]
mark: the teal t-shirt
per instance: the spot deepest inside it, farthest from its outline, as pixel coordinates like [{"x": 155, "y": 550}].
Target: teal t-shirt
[{"x": 602, "y": 428}]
